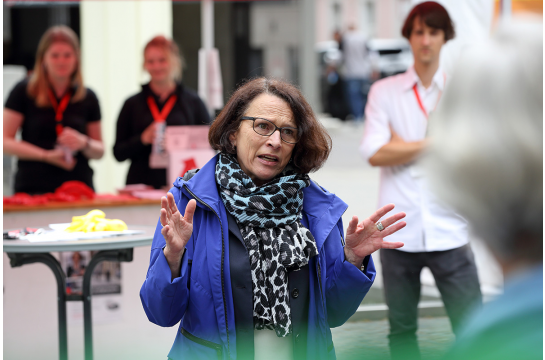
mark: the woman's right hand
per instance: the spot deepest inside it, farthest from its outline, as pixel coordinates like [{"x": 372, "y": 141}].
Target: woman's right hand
[
  {"x": 177, "y": 230},
  {"x": 57, "y": 157},
  {"x": 148, "y": 136}
]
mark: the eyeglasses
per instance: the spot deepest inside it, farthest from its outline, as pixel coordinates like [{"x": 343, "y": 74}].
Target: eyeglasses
[{"x": 265, "y": 127}]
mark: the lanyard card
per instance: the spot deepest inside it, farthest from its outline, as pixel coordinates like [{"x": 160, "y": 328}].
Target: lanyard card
[{"x": 159, "y": 157}]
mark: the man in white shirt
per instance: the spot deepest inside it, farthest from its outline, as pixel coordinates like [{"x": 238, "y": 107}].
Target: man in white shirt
[{"x": 435, "y": 236}]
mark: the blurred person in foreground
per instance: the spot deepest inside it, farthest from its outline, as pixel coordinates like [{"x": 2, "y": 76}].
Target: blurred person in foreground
[
  {"x": 164, "y": 101},
  {"x": 258, "y": 267},
  {"x": 58, "y": 116},
  {"x": 437, "y": 237},
  {"x": 486, "y": 160}
]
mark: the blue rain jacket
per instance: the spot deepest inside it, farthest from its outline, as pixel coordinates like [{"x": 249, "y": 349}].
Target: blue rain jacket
[{"x": 201, "y": 298}]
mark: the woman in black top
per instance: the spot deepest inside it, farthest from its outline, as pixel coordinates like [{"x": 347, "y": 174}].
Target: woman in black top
[
  {"x": 58, "y": 116},
  {"x": 177, "y": 105}
]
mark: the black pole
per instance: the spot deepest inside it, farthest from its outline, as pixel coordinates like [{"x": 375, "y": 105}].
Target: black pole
[
  {"x": 20, "y": 259},
  {"x": 105, "y": 255}
]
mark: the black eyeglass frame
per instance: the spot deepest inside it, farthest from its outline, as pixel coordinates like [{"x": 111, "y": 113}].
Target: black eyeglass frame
[{"x": 275, "y": 128}]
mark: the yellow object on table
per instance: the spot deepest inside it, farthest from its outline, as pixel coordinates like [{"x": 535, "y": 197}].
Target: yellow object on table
[{"x": 95, "y": 220}]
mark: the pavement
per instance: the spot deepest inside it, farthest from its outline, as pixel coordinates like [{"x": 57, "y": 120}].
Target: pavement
[{"x": 367, "y": 340}]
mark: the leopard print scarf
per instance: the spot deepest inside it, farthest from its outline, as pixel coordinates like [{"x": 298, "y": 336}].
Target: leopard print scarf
[{"x": 269, "y": 219}]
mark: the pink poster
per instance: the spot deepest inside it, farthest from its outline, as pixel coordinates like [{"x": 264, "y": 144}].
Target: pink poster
[
  {"x": 188, "y": 149},
  {"x": 183, "y": 161}
]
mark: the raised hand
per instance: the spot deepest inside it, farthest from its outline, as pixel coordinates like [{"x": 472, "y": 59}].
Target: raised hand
[
  {"x": 177, "y": 230},
  {"x": 365, "y": 238}
]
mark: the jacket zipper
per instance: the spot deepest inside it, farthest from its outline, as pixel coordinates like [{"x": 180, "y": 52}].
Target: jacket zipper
[
  {"x": 198, "y": 340},
  {"x": 341, "y": 231},
  {"x": 330, "y": 347},
  {"x": 320, "y": 284},
  {"x": 222, "y": 260}
]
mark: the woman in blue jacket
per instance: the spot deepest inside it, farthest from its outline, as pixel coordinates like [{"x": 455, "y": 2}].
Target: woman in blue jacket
[{"x": 258, "y": 267}]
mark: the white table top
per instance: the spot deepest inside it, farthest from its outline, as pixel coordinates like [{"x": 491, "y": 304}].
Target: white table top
[{"x": 108, "y": 243}]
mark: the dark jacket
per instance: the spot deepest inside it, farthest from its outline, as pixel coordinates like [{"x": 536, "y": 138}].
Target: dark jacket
[{"x": 135, "y": 117}]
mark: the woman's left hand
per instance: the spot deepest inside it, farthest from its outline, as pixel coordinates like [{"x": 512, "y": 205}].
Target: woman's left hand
[
  {"x": 72, "y": 139},
  {"x": 365, "y": 238}
]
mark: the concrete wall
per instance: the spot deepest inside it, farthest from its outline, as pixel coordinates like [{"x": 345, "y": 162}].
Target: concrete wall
[
  {"x": 334, "y": 15},
  {"x": 274, "y": 27}
]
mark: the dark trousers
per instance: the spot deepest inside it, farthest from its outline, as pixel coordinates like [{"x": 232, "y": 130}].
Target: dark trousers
[
  {"x": 357, "y": 90},
  {"x": 455, "y": 276}
]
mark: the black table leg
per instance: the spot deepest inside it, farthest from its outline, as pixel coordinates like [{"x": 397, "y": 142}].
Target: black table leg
[
  {"x": 105, "y": 255},
  {"x": 20, "y": 259}
]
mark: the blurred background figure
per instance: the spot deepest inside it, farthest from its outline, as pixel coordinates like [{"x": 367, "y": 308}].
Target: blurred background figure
[
  {"x": 164, "y": 101},
  {"x": 333, "y": 85},
  {"x": 486, "y": 160},
  {"x": 58, "y": 116},
  {"x": 436, "y": 236},
  {"x": 77, "y": 267},
  {"x": 357, "y": 70}
]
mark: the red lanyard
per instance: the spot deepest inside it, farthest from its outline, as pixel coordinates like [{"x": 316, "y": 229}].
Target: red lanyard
[
  {"x": 161, "y": 116},
  {"x": 59, "y": 108},
  {"x": 417, "y": 95}
]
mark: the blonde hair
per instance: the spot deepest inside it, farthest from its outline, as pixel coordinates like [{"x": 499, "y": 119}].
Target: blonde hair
[
  {"x": 174, "y": 54},
  {"x": 38, "y": 85}
]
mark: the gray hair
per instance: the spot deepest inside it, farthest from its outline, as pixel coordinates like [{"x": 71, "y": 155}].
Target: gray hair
[{"x": 486, "y": 157}]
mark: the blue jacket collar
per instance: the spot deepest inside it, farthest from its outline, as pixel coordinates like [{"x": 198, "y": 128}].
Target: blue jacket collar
[
  {"x": 203, "y": 186},
  {"x": 323, "y": 209}
]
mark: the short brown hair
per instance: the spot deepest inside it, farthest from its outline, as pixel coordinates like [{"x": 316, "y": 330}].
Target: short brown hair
[
  {"x": 312, "y": 150},
  {"x": 173, "y": 51},
  {"x": 433, "y": 15}
]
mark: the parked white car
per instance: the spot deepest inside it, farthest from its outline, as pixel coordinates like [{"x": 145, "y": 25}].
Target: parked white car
[{"x": 394, "y": 55}]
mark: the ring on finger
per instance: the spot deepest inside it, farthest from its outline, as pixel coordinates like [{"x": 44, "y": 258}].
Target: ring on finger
[{"x": 379, "y": 225}]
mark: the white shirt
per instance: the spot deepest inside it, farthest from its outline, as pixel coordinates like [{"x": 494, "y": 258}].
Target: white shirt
[
  {"x": 357, "y": 63},
  {"x": 431, "y": 226}
]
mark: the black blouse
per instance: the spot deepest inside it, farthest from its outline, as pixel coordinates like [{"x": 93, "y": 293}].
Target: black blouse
[
  {"x": 38, "y": 128},
  {"x": 241, "y": 285},
  {"x": 135, "y": 117}
]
